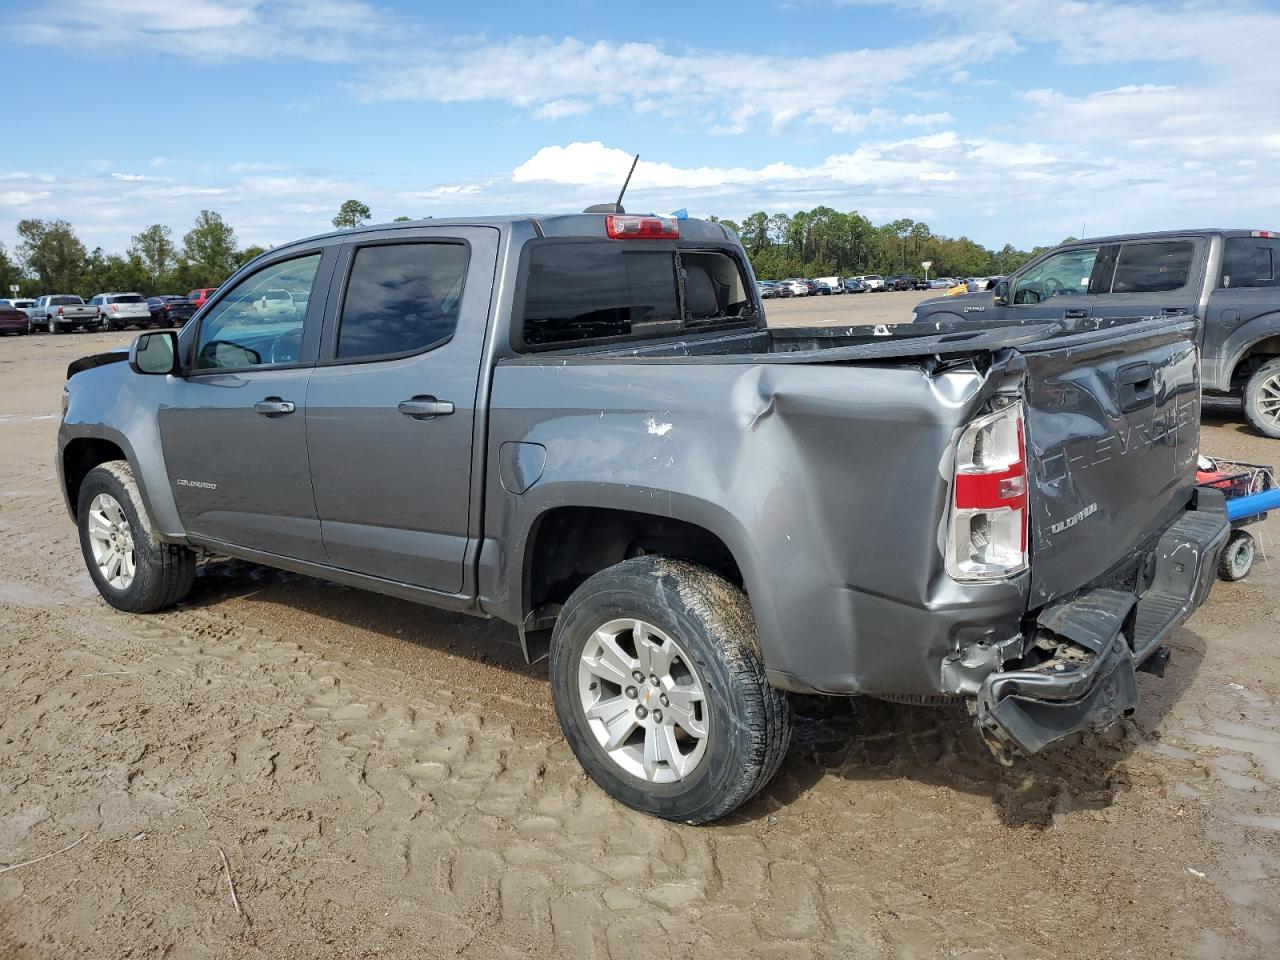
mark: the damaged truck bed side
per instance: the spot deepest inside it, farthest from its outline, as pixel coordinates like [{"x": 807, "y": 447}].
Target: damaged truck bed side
[{"x": 691, "y": 513}]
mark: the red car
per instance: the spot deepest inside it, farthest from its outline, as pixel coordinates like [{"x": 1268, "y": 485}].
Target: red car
[
  {"x": 13, "y": 320},
  {"x": 198, "y": 297}
]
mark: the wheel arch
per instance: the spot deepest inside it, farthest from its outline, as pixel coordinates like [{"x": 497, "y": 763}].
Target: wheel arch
[
  {"x": 1259, "y": 338},
  {"x": 83, "y": 450},
  {"x": 566, "y": 544}
]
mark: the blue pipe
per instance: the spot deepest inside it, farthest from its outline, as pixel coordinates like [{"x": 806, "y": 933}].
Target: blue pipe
[{"x": 1253, "y": 504}]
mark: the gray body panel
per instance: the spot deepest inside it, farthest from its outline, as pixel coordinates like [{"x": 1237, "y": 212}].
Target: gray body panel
[{"x": 821, "y": 459}]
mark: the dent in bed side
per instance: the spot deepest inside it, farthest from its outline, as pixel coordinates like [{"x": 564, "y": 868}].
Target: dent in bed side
[{"x": 788, "y": 475}]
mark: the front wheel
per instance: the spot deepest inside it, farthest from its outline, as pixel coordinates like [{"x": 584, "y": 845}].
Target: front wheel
[
  {"x": 661, "y": 693},
  {"x": 131, "y": 567},
  {"x": 1262, "y": 399}
]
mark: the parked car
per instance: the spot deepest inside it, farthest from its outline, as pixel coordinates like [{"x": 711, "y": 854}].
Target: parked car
[
  {"x": 170, "y": 310},
  {"x": 119, "y": 310},
  {"x": 874, "y": 282},
  {"x": 920, "y": 283},
  {"x": 782, "y": 289},
  {"x": 20, "y": 303},
  {"x": 200, "y": 295},
  {"x": 854, "y": 285},
  {"x": 677, "y": 604},
  {"x": 821, "y": 287},
  {"x": 765, "y": 289},
  {"x": 941, "y": 283},
  {"x": 61, "y": 312},
  {"x": 799, "y": 286},
  {"x": 13, "y": 320},
  {"x": 833, "y": 283}
]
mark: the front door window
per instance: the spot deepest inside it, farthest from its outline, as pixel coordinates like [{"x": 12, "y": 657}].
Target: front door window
[{"x": 1064, "y": 274}]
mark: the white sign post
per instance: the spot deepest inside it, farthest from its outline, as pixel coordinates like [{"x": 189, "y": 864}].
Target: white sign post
[
  {"x": 926, "y": 264},
  {"x": 13, "y": 288}
]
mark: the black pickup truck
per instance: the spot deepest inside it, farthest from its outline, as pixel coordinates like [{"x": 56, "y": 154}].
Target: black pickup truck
[
  {"x": 1228, "y": 279},
  {"x": 583, "y": 426}
]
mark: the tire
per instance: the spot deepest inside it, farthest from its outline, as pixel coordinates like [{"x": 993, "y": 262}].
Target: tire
[
  {"x": 745, "y": 723},
  {"x": 1262, "y": 399},
  {"x": 162, "y": 572},
  {"x": 53, "y": 326},
  {"x": 1237, "y": 557}
]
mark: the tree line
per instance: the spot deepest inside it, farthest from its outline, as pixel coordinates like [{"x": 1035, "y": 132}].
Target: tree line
[
  {"x": 824, "y": 242},
  {"x": 50, "y": 258}
]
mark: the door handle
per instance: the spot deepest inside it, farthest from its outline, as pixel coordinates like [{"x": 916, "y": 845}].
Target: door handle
[
  {"x": 424, "y": 408},
  {"x": 274, "y": 407},
  {"x": 1075, "y": 314},
  {"x": 1173, "y": 311}
]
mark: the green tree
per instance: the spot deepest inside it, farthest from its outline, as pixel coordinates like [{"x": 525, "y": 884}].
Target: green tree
[
  {"x": 52, "y": 251},
  {"x": 401, "y": 219},
  {"x": 352, "y": 213},
  {"x": 209, "y": 251},
  {"x": 154, "y": 246},
  {"x": 249, "y": 253},
  {"x": 9, "y": 273}
]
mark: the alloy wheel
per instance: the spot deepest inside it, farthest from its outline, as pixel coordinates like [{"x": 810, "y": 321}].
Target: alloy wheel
[{"x": 111, "y": 540}]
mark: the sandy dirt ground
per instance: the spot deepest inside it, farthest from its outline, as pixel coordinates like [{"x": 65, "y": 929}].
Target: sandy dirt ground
[{"x": 387, "y": 780}]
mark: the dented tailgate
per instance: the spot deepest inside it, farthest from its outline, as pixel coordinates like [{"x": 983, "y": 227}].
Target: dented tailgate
[{"x": 1113, "y": 419}]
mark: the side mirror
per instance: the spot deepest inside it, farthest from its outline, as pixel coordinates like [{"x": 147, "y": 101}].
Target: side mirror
[
  {"x": 1002, "y": 293},
  {"x": 154, "y": 353}
]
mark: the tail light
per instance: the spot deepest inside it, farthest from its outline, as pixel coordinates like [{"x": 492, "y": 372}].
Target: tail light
[
  {"x": 115, "y": 308},
  {"x": 987, "y": 536},
  {"x": 632, "y": 228},
  {"x": 59, "y": 311}
]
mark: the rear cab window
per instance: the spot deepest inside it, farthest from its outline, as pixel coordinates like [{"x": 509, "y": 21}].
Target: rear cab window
[
  {"x": 1249, "y": 262},
  {"x": 580, "y": 293}
]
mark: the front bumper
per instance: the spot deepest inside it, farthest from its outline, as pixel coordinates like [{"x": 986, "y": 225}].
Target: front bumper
[{"x": 1107, "y": 633}]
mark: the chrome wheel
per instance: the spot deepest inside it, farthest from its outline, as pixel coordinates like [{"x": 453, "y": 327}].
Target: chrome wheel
[
  {"x": 111, "y": 540},
  {"x": 1268, "y": 399},
  {"x": 643, "y": 700}
]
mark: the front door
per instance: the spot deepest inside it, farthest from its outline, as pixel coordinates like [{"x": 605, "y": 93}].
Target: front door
[
  {"x": 234, "y": 439},
  {"x": 391, "y": 407},
  {"x": 1056, "y": 288}
]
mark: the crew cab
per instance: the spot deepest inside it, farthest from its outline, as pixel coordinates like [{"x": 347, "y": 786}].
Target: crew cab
[
  {"x": 583, "y": 426},
  {"x": 1227, "y": 279},
  {"x": 61, "y": 312}
]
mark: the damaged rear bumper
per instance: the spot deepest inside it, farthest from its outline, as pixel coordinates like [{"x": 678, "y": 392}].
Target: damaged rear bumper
[{"x": 1103, "y": 637}]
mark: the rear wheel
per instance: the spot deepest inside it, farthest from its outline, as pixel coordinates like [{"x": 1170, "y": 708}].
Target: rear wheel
[
  {"x": 1262, "y": 399},
  {"x": 132, "y": 569},
  {"x": 661, "y": 692},
  {"x": 54, "y": 326},
  {"x": 1237, "y": 557}
]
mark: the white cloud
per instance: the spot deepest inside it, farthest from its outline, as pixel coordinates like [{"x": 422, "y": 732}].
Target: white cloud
[
  {"x": 728, "y": 91},
  {"x": 320, "y": 30}
]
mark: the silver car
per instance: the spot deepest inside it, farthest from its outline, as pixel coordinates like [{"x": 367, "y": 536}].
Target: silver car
[{"x": 120, "y": 310}]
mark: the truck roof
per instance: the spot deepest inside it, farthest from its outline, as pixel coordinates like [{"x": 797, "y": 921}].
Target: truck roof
[
  {"x": 585, "y": 225},
  {"x": 1162, "y": 234}
]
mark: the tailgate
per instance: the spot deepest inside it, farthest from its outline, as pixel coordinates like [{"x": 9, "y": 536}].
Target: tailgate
[{"x": 1113, "y": 431}]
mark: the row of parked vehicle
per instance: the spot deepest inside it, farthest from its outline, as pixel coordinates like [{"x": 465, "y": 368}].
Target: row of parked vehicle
[
  {"x": 870, "y": 283},
  {"x": 64, "y": 312}
]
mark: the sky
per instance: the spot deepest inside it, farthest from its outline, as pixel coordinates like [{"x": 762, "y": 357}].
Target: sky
[{"x": 1008, "y": 121}]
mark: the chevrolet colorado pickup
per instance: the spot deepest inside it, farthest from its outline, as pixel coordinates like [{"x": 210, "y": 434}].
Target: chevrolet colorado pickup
[
  {"x": 1228, "y": 279},
  {"x": 583, "y": 426}
]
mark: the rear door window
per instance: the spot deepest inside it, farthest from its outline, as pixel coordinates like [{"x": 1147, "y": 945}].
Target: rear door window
[
  {"x": 402, "y": 298},
  {"x": 580, "y": 293},
  {"x": 1153, "y": 267},
  {"x": 1249, "y": 262}
]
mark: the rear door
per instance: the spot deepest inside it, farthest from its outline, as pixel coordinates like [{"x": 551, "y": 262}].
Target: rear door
[
  {"x": 1151, "y": 278},
  {"x": 1244, "y": 307},
  {"x": 391, "y": 407},
  {"x": 1113, "y": 427}
]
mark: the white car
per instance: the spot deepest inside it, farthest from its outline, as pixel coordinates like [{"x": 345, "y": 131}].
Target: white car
[
  {"x": 799, "y": 288},
  {"x": 873, "y": 281},
  {"x": 119, "y": 310}
]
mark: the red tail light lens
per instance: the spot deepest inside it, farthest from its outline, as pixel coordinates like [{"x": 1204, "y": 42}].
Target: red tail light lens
[
  {"x": 59, "y": 311},
  {"x": 641, "y": 228},
  {"x": 987, "y": 535}
]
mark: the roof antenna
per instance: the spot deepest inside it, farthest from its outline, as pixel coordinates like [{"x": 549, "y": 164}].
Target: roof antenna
[{"x": 616, "y": 206}]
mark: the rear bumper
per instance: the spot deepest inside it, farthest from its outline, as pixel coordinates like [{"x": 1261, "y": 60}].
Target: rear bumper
[{"x": 1106, "y": 634}]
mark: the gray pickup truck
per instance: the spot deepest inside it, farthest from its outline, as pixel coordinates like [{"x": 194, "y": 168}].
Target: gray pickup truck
[
  {"x": 62, "y": 312},
  {"x": 583, "y": 426},
  {"x": 1228, "y": 279}
]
